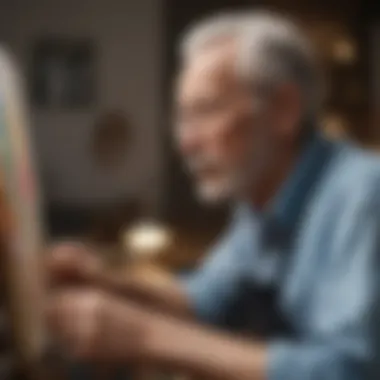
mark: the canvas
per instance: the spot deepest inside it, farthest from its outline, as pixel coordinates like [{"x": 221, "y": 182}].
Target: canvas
[{"x": 21, "y": 232}]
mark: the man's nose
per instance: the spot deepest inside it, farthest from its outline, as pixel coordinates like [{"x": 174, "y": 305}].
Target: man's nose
[{"x": 189, "y": 142}]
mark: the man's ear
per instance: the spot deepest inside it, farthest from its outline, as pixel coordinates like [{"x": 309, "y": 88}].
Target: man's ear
[{"x": 287, "y": 109}]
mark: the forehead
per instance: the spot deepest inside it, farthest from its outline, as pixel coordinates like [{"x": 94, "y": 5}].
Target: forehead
[{"x": 211, "y": 69}]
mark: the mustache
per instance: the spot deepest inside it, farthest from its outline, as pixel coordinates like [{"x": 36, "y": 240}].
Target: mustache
[{"x": 198, "y": 163}]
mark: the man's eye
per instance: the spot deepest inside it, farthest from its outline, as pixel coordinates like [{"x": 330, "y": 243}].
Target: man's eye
[
  {"x": 202, "y": 109},
  {"x": 183, "y": 117}
]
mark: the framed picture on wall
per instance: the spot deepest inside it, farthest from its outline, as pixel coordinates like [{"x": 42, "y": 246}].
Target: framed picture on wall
[{"x": 63, "y": 73}]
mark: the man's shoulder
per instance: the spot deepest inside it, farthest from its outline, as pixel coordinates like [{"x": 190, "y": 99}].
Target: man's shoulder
[
  {"x": 356, "y": 162},
  {"x": 355, "y": 174}
]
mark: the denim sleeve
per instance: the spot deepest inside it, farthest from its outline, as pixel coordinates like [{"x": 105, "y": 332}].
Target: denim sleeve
[
  {"x": 214, "y": 285},
  {"x": 342, "y": 339}
]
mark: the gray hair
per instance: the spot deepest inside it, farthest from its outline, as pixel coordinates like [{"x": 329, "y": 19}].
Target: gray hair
[{"x": 271, "y": 50}]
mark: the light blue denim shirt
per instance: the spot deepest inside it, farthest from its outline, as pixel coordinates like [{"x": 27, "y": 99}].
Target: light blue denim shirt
[{"x": 305, "y": 273}]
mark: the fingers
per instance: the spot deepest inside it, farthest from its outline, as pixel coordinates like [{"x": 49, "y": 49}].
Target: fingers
[
  {"x": 74, "y": 317},
  {"x": 93, "y": 325},
  {"x": 71, "y": 262}
]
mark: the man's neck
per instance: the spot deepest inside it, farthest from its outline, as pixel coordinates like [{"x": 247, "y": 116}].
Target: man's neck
[{"x": 271, "y": 182}]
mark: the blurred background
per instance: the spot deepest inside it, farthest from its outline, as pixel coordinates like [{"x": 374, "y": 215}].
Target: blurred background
[{"x": 98, "y": 83}]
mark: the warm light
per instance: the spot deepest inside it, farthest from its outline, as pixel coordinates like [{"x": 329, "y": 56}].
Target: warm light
[
  {"x": 147, "y": 238},
  {"x": 334, "y": 126},
  {"x": 344, "y": 51}
]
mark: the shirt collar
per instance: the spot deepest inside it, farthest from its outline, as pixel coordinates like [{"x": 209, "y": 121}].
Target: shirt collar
[
  {"x": 294, "y": 194},
  {"x": 282, "y": 214}
]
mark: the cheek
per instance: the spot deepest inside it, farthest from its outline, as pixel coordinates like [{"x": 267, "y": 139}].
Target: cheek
[
  {"x": 229, "y": 143},
  {"x": 241, "y": 149},
  {"x": 239, "y": 136}
]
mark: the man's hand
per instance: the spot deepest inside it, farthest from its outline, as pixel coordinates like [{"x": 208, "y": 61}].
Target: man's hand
[
  {"x": 93, "y": 325},
  {"x": 96, "y": 327},
  {"x": 73, "y": 262},
  {"x": 69, "y": 264}
]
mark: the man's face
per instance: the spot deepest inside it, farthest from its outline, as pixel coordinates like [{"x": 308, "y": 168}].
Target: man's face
[{"x": 224, "y": 135}]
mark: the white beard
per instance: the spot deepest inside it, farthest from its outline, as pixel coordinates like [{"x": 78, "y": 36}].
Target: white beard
[
  {"x": 237, "y": 183},
  {"x": 217, "y": 191}
]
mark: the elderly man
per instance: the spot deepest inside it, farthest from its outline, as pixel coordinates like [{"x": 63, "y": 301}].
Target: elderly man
[{"x": 292, "y": 287}]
